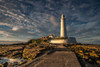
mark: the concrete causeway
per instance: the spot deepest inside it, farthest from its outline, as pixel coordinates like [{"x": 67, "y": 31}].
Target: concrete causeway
[{"x": 57, "y": 58}]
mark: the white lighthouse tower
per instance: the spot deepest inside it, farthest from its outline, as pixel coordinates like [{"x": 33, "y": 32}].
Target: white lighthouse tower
[
  {"x": 63, "y": 27},
  {"x": 63, "y": 37}
]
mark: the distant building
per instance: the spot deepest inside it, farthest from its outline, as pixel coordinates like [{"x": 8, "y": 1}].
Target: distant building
[
  {"x": 51, "y": 36},
  {"x": 72, "y": 40}
]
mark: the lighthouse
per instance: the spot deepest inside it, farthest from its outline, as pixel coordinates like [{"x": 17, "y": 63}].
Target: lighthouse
[
  {"x": 63, "y": 27},
  {"x": 62, "y": 39}
]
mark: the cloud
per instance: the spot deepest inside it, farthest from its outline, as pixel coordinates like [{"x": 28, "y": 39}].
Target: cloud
[
  {"x": 84, "y": 5},
  {"x": 4, "y": 33},
  {"x": 1, "y": 0},
  {"x": 14, "y": 14},
  {"x": 53, "y": 21},
  {"x": 15, "y": 28},
  {"x": 6, "y": 24}
]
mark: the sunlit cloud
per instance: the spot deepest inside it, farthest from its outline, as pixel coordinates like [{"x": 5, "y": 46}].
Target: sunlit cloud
[{"x": 15, "y": 28}]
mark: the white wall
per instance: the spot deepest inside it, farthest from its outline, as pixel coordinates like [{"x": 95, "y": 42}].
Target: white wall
[{"x": 59, "y": 41}]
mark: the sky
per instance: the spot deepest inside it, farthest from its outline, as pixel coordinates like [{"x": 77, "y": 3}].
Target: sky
[{"x": 21, "y": 20}]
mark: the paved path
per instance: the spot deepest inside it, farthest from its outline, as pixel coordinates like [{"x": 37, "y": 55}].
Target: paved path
[{"x": 58, "y": 59}]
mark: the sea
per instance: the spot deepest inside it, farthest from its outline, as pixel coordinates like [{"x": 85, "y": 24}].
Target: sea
[{"x": 9, "y": 60}]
